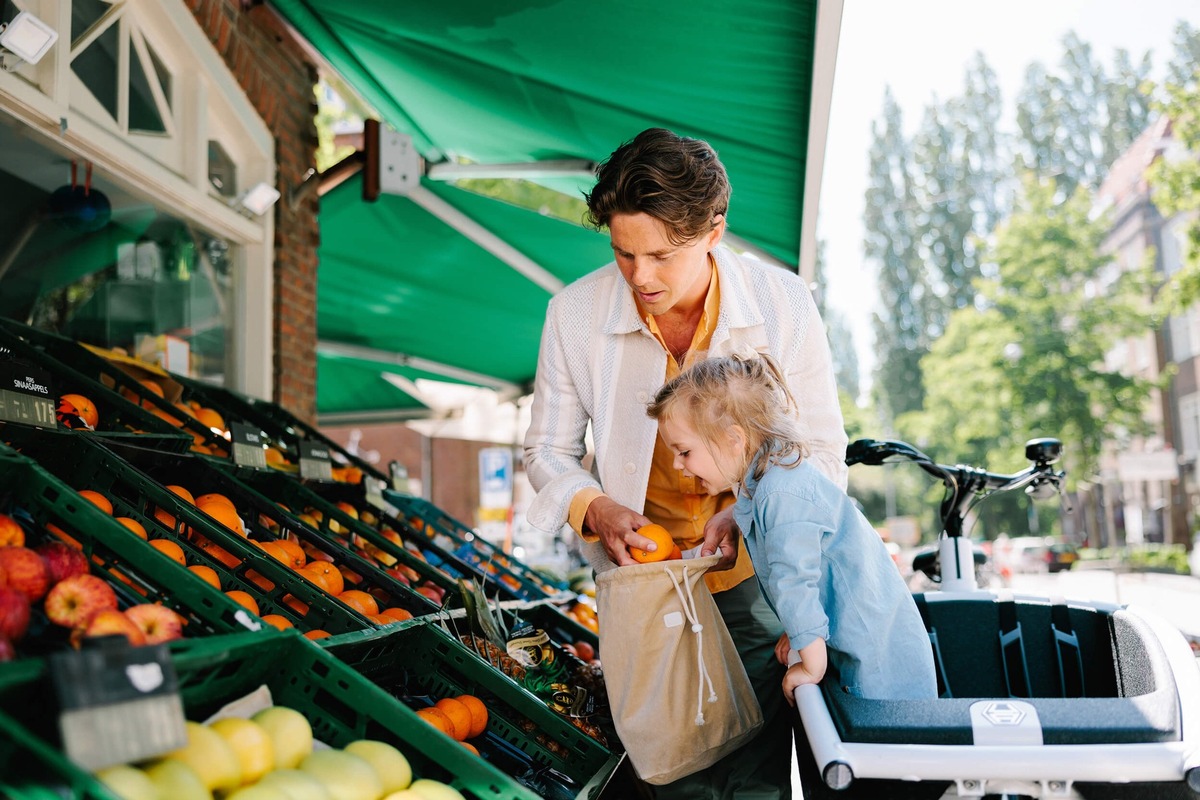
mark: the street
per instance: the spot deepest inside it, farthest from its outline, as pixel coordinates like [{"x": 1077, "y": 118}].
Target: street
[{"x": 1175, "y": 598}]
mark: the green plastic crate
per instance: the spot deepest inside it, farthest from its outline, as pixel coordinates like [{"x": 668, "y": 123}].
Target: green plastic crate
[
  {"x": 420, "y": 663},
  {"x": 427, "y": 519},
  {"x": 33, "y": 769},
  {"x": 118, "y": 416},
  {"x": 280, "y": 426},
  {"x": 124, "y": 477},
  {"x": 118, "y": 384},
  {"x": 341, "y": 705},
  {"x": 444, "y": 565},
  {"x": 35, "y": 498}
]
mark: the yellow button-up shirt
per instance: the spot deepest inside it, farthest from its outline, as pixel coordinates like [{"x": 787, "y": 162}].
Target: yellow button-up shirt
[{"x": 674, "y": 500}]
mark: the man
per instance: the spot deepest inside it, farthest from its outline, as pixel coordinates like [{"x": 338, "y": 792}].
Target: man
[{"x": 673, "y": 296}]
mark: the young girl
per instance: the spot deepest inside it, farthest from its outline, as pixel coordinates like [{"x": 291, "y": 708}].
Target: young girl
[{"x": 821, "y": 565}]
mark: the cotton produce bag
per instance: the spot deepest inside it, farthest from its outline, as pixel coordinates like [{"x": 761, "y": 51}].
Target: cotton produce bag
[{"x": 678, "y": 692}]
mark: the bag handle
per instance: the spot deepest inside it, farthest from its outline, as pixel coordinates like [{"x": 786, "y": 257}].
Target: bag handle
[{"x": 689, "y": 609}]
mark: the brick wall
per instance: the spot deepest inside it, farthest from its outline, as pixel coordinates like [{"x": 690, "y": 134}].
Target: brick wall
[{"x": 278, "y": 79}]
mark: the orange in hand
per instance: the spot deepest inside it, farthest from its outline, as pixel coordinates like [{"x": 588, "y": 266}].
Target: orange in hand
[{"x": 661, "y": 537}]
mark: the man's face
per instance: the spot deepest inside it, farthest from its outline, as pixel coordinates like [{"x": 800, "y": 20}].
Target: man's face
[{"x": 662, "y": 274}]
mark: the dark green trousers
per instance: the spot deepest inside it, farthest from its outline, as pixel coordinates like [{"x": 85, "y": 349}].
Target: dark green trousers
[{"x": 760, "y": 769}]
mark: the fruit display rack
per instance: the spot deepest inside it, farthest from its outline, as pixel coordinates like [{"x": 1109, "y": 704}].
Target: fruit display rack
[
  {"x": 421, "y": 662},
  {"x": 340, "y": 704},
  {"x": 279, "y": 425},
  {"x": 458, "y": 537},
  {"x": 74, "y": 536},
  {"x": 344, "y": 505},
  {"x": 116, "y": 416},
  {"x": 240, "y": 561}
]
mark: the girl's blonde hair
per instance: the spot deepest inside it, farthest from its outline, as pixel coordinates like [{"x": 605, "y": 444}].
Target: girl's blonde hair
[{"x": 749, "y": 391}]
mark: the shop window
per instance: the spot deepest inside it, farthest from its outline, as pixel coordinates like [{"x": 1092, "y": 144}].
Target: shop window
[{"x": 113, "y": 51}]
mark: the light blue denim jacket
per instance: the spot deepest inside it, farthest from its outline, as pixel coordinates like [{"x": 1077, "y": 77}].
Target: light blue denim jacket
[{"x": 825, "y": 571}]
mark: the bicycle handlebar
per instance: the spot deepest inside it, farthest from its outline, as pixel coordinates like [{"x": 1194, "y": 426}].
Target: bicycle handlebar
[{"x": 964, "y": 483}]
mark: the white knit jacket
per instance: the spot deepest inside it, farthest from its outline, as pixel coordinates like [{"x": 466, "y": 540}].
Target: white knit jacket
[{"x": 599, "y": 362}]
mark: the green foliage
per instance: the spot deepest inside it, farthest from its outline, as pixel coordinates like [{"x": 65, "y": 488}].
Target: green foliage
[{"x": 1029, "y": 359}]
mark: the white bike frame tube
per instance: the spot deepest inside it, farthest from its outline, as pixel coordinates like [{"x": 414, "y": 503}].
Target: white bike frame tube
[{"x": 956, "y": 557}]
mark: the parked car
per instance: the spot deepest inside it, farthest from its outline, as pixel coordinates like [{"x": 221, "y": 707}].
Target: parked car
[{"x": 1061, "y": 556}]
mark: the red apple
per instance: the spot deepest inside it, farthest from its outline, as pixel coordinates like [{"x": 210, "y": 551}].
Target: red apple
[
  {"x": 26, "y": 572},
  {"x": 62, "y": 560},
  {"x": 398, "y": 574},
  {"x": 7, "y": 651},
  {"x": 112, "y": 621},
  {"x": 14, "y": 614},
  {"x": 157, "y": 623},
  {"x": 75, "y": 601},
  {"x": 433, "y": 592},
  {"x": 585, "y": 650}
]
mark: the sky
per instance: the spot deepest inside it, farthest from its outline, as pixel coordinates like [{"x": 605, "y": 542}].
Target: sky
[{"x": 921, "y": 49}]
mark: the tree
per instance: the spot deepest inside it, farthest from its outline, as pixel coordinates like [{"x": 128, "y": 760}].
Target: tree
[
  {"x": 1181, "y": 70},
  {"x": 1029, "y": 359},
  {"x": 1074, "y": 123},
  {"x": 901, "y": 335}
]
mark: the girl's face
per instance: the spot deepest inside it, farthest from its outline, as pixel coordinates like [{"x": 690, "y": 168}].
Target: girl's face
[{"x": 714, "y": 463}]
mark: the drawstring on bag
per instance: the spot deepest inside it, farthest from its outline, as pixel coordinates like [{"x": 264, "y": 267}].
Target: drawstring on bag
[{"x": 689, "y": 610}]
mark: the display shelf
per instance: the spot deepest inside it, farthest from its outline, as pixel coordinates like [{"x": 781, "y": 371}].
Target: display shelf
[
  {"x": 124, "y": 477},
  {"x": 458, "y": 537},
  {"x": 341, "y": 704},
  {"x": 420, "y": 663}
]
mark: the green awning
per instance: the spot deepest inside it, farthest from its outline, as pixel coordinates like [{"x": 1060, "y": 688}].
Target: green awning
[{"x": 526, "y": 80}]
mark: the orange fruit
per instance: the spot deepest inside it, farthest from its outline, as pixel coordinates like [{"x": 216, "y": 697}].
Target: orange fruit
[
  {"x": 11, "y": 533},
  {"x": 459, "y": 715},
  {"x": 207, "y": 574},
  {"x": 661, "y": 537},
  {"x": 243, "y": 598},
  {"x": 479, "y": 713},
  {"x": 330, "y": 579},
  {"x": 275, "y": 456},
  {"x": 275, "y": 551},
  {"x": 170, "y": 549},
  {"x": 210, "y": 418},
  {"x": 296, "y": 556},
  {"x": 260, "y": 580},
  {"x": 213, "y": 497},
  {"x": 470, "y": 747},
  {"x": 85, "y": 409},
  {"x": 316, "y": 633},
  {"x": 165, "y": 517},
  {"x": 133, "y": 525},
  {"x": 154, "y": 387},
  {"x": 100, "y": 500},
  {"x": 227, "y": 516},
  {"x": 676, "y": 554},
  {"x": 397, "y": 614},
  {"x": 382, "y": 619},
  {"x": 438, "y": 719},
  {"x": 278, "y": 621},
  {"x": 360, "y": 601}
]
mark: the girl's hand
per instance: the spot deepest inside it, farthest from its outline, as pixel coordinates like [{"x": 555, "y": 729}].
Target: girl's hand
[
  {"x": 810, "y": 669},
  {"x": 721, "y": 537},
  {"x": 782, "y": 648}
]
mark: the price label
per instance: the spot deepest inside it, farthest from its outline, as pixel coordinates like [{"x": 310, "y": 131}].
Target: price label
[
  {"x": 247, "y": 442},
  {"x": 117, "y": 703},
  {"x": 26, "y": 395},
  {"x": 315, "y": 461}
]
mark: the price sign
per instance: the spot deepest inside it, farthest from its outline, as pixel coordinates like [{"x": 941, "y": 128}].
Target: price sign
[
  {"x": 26, "y": 395},
  {"x": 248, "y": 450},
  {"x": 117, "y": 703},
  {"x": 315, "y": 461}
]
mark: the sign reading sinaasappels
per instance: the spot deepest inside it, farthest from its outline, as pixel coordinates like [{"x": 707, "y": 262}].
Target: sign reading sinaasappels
[{"x": 26, "y": 395}]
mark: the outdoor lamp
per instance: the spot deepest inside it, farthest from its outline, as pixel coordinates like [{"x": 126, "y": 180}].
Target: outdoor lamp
[
  {"x": 259, "y": 198},
  {"x": 27, "y": 37}
]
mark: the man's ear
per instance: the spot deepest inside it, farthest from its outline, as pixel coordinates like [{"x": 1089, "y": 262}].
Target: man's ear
[{"x": 713, "y": 238}]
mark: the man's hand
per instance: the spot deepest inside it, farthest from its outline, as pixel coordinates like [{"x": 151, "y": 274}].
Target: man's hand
[
  {"x": 782, "y": 648},
  {"x": 721, "y": 536},
  {"x": 617, "y": 527}
]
